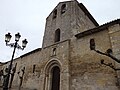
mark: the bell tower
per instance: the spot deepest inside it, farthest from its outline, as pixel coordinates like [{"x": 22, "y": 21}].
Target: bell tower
[{"x": 67, "y": 19}]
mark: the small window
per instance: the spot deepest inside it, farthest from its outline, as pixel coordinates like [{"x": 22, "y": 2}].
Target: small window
[
  {"x": 55, "y": 14},
  {"x": 34, "y": 68},
  {"x": 63, "y": 8},
  {"x": 92, "y": 44},
  {"x": 57, "y": 35},
  {"x": 54, "y": 51}
]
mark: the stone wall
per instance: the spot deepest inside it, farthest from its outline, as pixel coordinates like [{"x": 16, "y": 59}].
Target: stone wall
[
  {"x": 87, "y": 73},
  {"x": 41, "y": 59},
  {"x": 114, "y": 32}
]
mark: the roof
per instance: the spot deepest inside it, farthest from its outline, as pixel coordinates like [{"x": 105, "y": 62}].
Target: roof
[
  {"x": 34, "y": 51},
  {"x": 88, "y": 14},
  {"x": 2, "y": 63},
  {"x": 97, "y": 29},
  {"x": 31, "y": 52}
]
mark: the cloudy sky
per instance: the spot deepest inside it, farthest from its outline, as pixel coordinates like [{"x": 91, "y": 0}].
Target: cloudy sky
[{"x": 28, "y": 17}]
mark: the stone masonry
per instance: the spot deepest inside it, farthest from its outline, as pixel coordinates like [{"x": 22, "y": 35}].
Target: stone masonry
[{"x": 66, "y": 48}]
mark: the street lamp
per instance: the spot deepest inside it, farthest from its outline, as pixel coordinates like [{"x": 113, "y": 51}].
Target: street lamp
[{"x": 14, "y": 45}]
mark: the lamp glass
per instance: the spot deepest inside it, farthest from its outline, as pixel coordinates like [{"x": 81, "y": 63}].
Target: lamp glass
[
  {"x": 17, "y": 36},
  {"x": 24, "y": 43},
  {"x": 7, "y": 37}
]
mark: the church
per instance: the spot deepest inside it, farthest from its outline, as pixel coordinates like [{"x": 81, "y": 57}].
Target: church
[{"x": 76, "y": 54}]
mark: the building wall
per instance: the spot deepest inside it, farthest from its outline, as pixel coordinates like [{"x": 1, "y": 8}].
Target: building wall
[
  {"x": 87, "y": 73},
  {"x": 42, "y": 59},
  {"x": 114, "y": 32},
  {"x": 80, "y": 67}
]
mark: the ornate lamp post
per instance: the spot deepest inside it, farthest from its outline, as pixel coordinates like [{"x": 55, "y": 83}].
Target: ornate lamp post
[{"x": 14, "y": 45}]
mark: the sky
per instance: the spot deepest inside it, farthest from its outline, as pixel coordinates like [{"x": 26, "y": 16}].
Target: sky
[{"x": 28, "y": 17}]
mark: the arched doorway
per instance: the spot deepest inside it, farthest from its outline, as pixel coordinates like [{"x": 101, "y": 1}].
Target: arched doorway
[
  {"x": 55, "y": 78},
  {"x": 52, "y": 75}
]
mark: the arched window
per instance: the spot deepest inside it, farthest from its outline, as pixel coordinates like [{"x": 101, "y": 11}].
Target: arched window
[
  {"x": 55, "y": 81},
  {"x": 63, "y": 8},
  {"x": 92, "y": 44},
  {"x": 55, "y": 13},
  {"x": 54, "y": 51},
  {"x": 57, "y": 35}
]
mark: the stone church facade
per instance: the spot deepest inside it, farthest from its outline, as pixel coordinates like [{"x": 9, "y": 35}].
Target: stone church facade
[{"x": 65, "y": 61}]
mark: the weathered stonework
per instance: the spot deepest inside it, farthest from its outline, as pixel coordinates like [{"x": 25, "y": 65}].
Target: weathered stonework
[{"x": 80, "y": 67}]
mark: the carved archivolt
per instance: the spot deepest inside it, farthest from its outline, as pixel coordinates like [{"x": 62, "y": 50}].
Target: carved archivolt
[{"x": 48, "y": 75}]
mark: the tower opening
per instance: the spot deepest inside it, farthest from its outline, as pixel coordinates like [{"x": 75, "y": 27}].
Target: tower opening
[
  {"x": 55, "y": 14},
  {"x": 63, "y": 8},
  {"x": 57, "y": 35}
]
